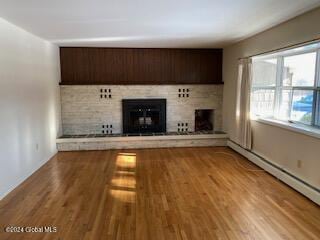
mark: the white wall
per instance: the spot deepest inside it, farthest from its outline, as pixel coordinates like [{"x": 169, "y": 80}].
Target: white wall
[
  {"x": 278, "y": 145},
  {"x": 29, "y": 104}
]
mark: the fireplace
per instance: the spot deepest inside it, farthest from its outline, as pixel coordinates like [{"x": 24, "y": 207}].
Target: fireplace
[
  {"x": 144, "y": 115},
  {"x": 204, "y": 120}
]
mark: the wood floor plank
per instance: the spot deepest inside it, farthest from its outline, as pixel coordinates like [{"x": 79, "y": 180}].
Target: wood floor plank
[{"x": 158, "y": 194}]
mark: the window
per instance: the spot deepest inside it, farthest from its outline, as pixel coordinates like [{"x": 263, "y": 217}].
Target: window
[
  {"x": 264, "y": 86},
  {"x": 286, "y": 85}
]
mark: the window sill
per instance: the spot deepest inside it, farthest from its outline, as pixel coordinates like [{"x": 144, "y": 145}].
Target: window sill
[{"x": 307, "y": 130}]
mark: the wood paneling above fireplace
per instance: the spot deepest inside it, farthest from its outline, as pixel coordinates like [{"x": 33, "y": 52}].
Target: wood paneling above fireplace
[{"x": 85, "y": 66}]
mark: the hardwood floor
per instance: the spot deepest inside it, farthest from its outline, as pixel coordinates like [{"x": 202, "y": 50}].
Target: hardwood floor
[{"x": 181, "y": 193}]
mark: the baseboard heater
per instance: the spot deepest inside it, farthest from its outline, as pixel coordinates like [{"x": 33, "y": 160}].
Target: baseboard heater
[{"x": 296, "y": 183}]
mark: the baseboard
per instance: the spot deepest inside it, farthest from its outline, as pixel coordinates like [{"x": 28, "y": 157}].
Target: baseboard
[{"x": 299, "y": 185}]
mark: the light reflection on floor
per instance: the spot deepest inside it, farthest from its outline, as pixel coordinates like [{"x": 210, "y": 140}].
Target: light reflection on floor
[{"x": 123, "y": 183}]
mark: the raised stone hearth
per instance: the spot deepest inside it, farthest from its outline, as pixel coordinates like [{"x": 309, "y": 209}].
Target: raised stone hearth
[{"x": 146, "y": 140}]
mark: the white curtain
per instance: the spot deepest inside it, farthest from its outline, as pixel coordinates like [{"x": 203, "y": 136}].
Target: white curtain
[{"x": 243, "y": 103}]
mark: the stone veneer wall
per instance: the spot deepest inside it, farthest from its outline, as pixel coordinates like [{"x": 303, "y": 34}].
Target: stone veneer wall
[{"x": 84, "y": 111}]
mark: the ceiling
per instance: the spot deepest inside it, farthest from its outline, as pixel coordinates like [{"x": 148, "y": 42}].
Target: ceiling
[{"x": 150, "y": 23}]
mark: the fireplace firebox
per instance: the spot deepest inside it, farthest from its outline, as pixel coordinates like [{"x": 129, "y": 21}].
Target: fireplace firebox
[
  {"x": 144, "y": 115},
  {"x": 204, "y": 120}
]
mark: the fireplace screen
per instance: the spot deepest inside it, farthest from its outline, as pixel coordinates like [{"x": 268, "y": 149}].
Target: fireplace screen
[{"x": 144, "y": 115}]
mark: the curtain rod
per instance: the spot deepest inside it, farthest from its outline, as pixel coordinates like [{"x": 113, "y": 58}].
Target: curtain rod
[{"x": 282, "y": 48}]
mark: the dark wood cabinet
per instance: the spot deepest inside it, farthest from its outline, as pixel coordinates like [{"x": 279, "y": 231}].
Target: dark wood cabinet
[{"x": 84, "y": 65}]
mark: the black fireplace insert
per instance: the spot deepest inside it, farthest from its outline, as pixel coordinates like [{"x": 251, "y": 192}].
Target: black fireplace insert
[{"x": 144, "y": 115}]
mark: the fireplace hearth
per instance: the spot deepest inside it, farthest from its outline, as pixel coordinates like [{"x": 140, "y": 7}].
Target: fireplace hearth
[{"x": 144, "y": 115}]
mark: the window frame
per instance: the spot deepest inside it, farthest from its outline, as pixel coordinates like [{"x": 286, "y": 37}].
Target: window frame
[{"x": 278, "y": 88}]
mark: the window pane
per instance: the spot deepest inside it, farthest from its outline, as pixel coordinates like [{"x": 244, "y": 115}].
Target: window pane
[
  {"x": 299, "y": 70},
  {"x": 302, "y": 106},
  {"x": 284, "y": 105},
  {"x": 264, "y": 72},
  {"x": 262, "y": 102}
]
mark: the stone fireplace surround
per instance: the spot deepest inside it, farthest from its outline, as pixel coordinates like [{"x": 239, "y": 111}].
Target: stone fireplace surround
[{"x": 97, "y": 109}]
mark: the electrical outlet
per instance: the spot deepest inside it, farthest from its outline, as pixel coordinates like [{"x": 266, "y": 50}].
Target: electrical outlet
[
  {"x": 299, "y": 163},
  {"x": 37, "y": 146}
]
